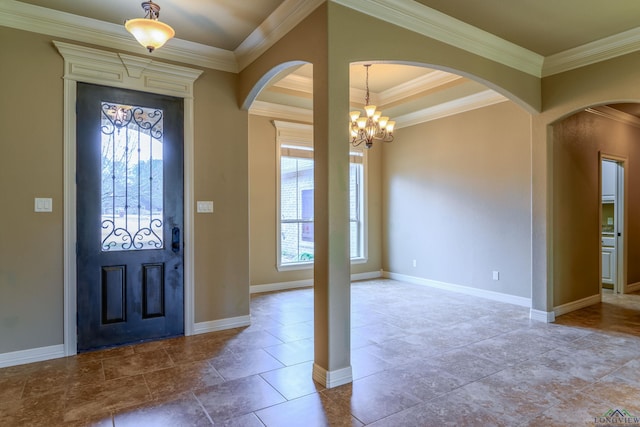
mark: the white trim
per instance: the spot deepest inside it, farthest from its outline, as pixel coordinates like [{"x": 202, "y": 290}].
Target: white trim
[
  {"x": 613, "y": 114},
  {"x": 478, "y": 100},
  {"x": 542, "y": 316},
  {"x": 31, "y": 355},
  {"x": 297, "y": 284},
  {"x": 221, "y": 325},
  {"x": 289, "y": 14},
  {"x": 296, "y": 83},
  {"x": 301, "y": 135},
  {"x": 577, "y": 305},
  {"x": 42, "y": 20},
  {"x": 281, "y": 286},
  {"x": 293, "y": 133},
  {"x": 432, "y": 80},
  {"x": 331, "y": 379},
  {"x": 431, "y": 23},
  {"x": 467, "y": 103},
  {"x": 69, "y": 220},
  {"x": 428, "y": 81},
  {"x": 632, "y": 287},
  {"x": 367, "y": 275},
  {"x": 82, "y": 64},
  {"x": 600, "y": 50},
  {"x": 619, "y": 275},
  {"x": 295, "y": 266},
  {"x": 286, "y": 112},
  {"x": 404, "y": 13},
  {"x": 495, "y": 296}
]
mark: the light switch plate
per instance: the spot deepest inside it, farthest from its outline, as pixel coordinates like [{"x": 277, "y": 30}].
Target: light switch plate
[
  {"x": 205, "y": 206},
  {"x": 43, "y": 204}
]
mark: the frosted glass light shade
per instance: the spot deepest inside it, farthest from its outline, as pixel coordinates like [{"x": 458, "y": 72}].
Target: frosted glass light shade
[
  {"x": 370, "y": 110},
  {"x": 150, "y": 33},
  {"x": 390, "y": 126}
]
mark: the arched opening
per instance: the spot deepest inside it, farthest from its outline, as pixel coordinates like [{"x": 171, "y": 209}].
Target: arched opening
[
  {"x": 433, "y": 195},
  {"x": 595, "y": 211},
  {"x": 481, "y": 172}
]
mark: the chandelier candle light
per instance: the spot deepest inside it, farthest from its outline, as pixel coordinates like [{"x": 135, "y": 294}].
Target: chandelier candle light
[
  {"x": 150, "y": 32},
  {"x": 372, "y": 126}
]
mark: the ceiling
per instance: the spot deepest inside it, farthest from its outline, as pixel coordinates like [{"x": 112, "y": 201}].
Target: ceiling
[
  {"x": 219, "y": 23},
  {"x": 546, "y": 27},
  {"x": 543, "y": 27}
]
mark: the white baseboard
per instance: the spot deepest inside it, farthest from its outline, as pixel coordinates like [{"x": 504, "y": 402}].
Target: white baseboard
[
  {"x": 331, "y": 379},
  {"x": 281, "y": 286},
  {"x": 296, "y": 284},
  {"x": 221, "y": 325},
  {"x": 31, "y": 355},
  {"x": 495, "y": 296},
  {"x": 633, "y": 287},
  {"x": 577, "y": 305},
  {"x": 542, "y": 316},
  {"x": 366, "y": 276}
]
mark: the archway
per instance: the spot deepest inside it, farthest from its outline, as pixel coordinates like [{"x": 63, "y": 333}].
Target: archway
[{"x": 580, "y": 141}]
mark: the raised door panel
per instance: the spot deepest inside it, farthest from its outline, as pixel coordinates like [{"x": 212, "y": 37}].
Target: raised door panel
[{"x": 608, "y": 266}]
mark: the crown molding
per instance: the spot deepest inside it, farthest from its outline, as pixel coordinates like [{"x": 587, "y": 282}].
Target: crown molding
[
  {"x": 590, "y": 53},
  {"x": 289, "y": 14},
  {"x": 85, "y": 64},
  {"x": 279, "y": 111},
  {"x": 423, "y": 20},
  {"x": 294, "y": 133},
  {"x": 27, "y": 17},
  {"x": 423, "y": 83},
  {"x": 467, "y": 103},
  {"x": 613, "y": 114},
  {"x": 296, "y": 83},
  {"x": 404, "y": 13},
  {"x": 404, "y": 90}
]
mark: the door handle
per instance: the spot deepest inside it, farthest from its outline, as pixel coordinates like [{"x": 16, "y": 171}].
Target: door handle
[{"x": 175, "y": 239}]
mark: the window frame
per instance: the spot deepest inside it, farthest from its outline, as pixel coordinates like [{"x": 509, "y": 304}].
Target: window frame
[{"x": 301, "y": 135}]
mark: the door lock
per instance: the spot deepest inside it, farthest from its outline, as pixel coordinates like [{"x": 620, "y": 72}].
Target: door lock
[{"x": 175, "y": 239}]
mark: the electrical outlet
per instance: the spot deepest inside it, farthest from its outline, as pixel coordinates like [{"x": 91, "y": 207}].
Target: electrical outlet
[
  {"x": 415, "y": 263},
  {"x": 496, "y": 275}
]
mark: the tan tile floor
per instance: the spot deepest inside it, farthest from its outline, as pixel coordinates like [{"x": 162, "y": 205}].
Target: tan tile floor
[{"x": 420, "y": 357}]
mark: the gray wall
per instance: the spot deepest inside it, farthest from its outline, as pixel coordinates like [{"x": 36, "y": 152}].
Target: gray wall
[{"x": 457, "y": 198}]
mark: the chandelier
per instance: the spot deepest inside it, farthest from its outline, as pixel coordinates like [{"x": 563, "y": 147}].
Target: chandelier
[
  {"x": 150, "y": 32},
  {"x": 373, "y": 126}
]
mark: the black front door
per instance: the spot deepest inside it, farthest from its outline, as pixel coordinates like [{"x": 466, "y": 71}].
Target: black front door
[{"x": 129, "y": 216}]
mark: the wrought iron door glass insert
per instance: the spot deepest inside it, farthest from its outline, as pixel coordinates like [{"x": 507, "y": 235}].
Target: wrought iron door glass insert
[{"x": 132, "y": 188}]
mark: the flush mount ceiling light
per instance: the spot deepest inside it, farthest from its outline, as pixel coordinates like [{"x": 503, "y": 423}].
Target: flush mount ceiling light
[
  {"x": 373, "y": 126},
  {"x": 150, "y": 32}
]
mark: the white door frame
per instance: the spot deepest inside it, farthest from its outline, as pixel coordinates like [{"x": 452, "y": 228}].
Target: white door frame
[
  {"x": 620, "y": 206},
  {"x": 82, "y": 64}
]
